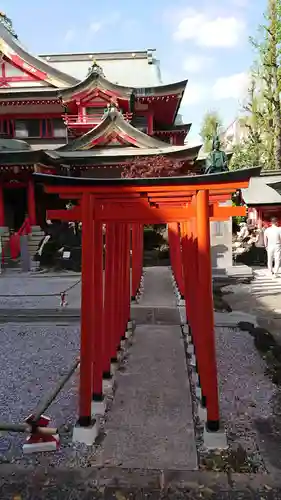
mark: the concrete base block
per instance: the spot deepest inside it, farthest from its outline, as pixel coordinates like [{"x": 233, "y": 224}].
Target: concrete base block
[
  {"x": 190, "y": 348},
  {"x": 185, "y": 329},
  {"x": 189, "y": 339},
  {"x": 193, "y": 360},
  {"x": 85, "y": 435},
  {"x": 195, "y": 378},
  {"x": 130, "y": 325},
  {"x": 202, "y": 413},
  {"x": 215, "y": 440},
  {"x": 198, "y": 392},
  {"x": 41, "y": 447},
  {"x": 181, "y": 302},
  {"x": 123, "y": 344},
  {"x": 120, "y": 356},
  {"x": 107, "y": 385},
  {"x": 128, "y": 334},
  {"x": 98, "y": 408},
  {"x": 113, "y": 368}
]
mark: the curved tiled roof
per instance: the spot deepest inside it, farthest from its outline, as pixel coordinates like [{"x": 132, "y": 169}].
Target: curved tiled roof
[{"x": 10, "y": 46}]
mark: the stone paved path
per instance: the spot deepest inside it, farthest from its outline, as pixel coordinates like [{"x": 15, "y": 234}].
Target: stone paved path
[
  {"x": 150, "y": 424},
  {"x": 261, "y": 298}
]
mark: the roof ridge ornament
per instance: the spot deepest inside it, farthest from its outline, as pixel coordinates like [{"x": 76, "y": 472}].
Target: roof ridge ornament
[
  {"x": 112, "y": 107},
  {"x": 7, "y": 22},
  {"x": 96, "y": 69}
]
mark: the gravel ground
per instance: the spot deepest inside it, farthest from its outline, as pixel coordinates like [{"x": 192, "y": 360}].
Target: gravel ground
[
  {"x": 32, "y": 358},
  {"x": 245, "y": 392}
]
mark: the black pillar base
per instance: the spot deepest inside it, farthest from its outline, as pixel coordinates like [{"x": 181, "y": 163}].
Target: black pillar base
[
  {"x": 203, "y": 401},
  {"x": 213, "y": 425},
  {"x": 85, "y": 421},
  {"x": 107, "y": 375},
  {"x": 97, "y": 397}
]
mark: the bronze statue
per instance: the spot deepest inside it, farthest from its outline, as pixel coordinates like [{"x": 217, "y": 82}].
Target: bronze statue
[{"x": 216, "y": 161}]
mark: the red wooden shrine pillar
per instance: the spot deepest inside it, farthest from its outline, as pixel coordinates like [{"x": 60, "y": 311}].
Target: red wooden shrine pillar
[
  {"x": 97, "y": 311},
  {"x": 135, "y": 260},
  {"x": 137, "y": 257},
  {"x": 127, "y": 289},
  {"x": 85, "y": 391},
  {"x": 189, "y": 271},
  {"x": 109, "y": 299},
  {"x": 175, "y": 254},
  {"x": 115, "y": 278},
  {"x": 31, "y": 207},
  {"x": 2, "y": 206},
  {"x": 141, "y": 226},
  {"x": 119, "y": 283},
  {"x": 205, "y": 337},
  {"x": 125, "y": 279}
]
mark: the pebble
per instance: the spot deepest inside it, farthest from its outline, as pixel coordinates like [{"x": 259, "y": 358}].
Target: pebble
[{"x": 245, "y": 392}]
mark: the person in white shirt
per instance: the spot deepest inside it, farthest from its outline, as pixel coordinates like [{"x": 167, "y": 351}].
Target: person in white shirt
[{"x": 272, "y": 241}]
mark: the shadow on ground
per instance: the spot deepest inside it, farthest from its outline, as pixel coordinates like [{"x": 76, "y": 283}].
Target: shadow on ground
[{"x": 261, "y": 298}]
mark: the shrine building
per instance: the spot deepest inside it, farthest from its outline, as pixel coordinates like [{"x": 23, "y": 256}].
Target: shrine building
[
  {"x": 83, "y": 115},
  {"x": 263, "y": 198}
]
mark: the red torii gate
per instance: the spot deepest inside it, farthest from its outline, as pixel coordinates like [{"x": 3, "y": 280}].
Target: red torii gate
[{"x": 187, "y": 204}]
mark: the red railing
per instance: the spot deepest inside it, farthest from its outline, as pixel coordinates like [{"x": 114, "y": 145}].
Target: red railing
[
  {"x": 12, "y": 246},
  {"x": 90, "y": 119}
]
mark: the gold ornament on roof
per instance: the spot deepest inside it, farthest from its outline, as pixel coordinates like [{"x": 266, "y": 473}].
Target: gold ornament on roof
[{"x": 95, "y": 68}]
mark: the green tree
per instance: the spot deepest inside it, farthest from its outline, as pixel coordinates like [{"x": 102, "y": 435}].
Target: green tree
[
  {"x": 268, "y": 76},
  {"x": 210, "y": 126}
]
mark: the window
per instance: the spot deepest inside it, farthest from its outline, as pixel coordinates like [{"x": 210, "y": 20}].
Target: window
[
  {"x": 218, "y": 228},
  {"x": 6, "y": 128},
  {"x": 140, "y": 122},
  {"x": 59, "y": 128},
  {"x": 27, "y": 128},
  {"x": 97, "y": 112}
]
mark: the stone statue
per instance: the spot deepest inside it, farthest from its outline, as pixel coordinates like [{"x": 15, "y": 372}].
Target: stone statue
[{"x": 216, "y": 161}]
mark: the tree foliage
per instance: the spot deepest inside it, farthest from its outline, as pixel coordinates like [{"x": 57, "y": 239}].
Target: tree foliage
[
  {"x": 262, "y": 112},
  {"x": 153, "y": 166},
  {"x": 210, "y": 126}
]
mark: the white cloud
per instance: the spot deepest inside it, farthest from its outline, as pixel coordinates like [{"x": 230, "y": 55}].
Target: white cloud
[
  {"x": 231, "y": 87},
  {"x": 240, "y": 3},
  {"x": 69, "y": 35},
  {"x": 195, "y": 64},
  {"x": 194, "y": 94},
  {"x": 209, "y": 31},
  {"x": 95, "y": 26}
]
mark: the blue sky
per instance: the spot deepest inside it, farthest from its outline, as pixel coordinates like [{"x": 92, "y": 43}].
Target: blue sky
[{"x": 204, "y": 41}]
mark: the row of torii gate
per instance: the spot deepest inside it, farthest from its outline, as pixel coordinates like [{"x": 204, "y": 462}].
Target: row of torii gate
[{"x": 187, "y": 205}]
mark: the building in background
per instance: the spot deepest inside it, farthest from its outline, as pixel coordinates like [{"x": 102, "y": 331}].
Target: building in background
[
  {"x": 263, "y": 198},
  {"x": 82, "y": 113},
  {"x": 234, "y": 134}
]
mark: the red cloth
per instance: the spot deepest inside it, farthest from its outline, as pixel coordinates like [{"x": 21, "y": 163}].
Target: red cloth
[{"x": 14, "y": 246}]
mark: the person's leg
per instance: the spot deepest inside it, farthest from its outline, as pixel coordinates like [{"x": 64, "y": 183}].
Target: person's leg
[
  {"x": 270, "y": 256},
  {"x": 277, "y": 259}
]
